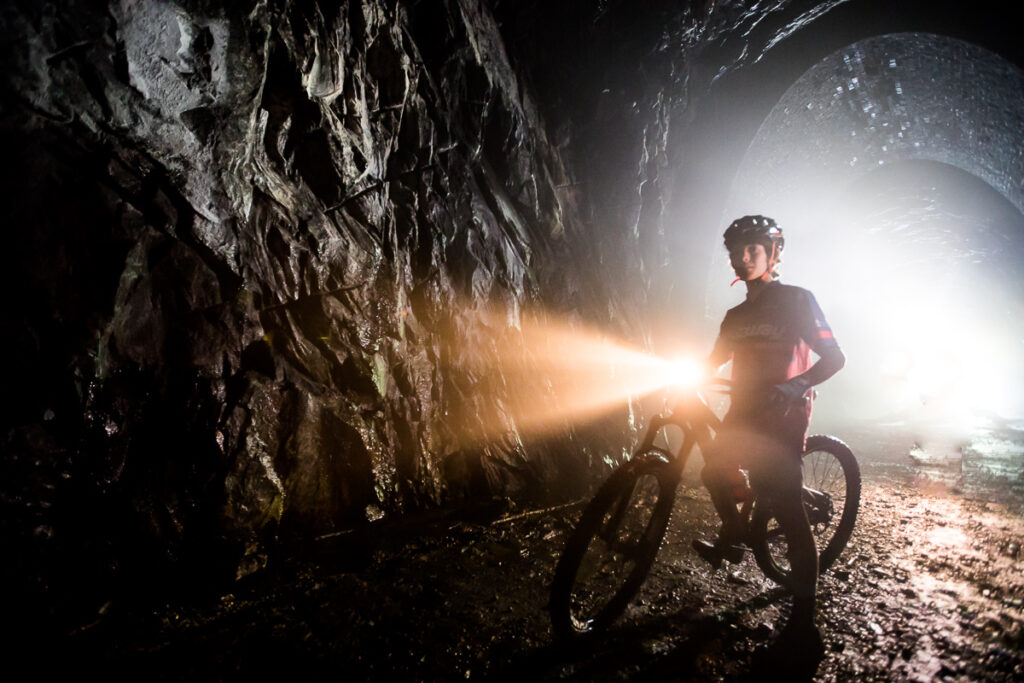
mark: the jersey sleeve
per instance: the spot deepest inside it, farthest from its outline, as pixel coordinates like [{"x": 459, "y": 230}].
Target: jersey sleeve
[{"x": 812, "y": 326}]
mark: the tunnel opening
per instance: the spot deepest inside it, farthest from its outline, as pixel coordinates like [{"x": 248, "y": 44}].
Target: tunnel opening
[
  {"x": 918, "y": 265},
  {"x": 892, "y": 168}
]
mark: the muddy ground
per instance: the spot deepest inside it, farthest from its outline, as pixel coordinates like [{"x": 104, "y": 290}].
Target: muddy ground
[{"x": 929, "y": 588}]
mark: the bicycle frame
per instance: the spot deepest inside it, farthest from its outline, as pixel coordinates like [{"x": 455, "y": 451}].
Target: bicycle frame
[
  {"x": 696, "y": 427},
  {"x": 694, "y": 417}
]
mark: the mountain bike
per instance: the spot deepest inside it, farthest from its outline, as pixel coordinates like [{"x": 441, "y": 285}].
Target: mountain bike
[{"x": 610, "y": 551}]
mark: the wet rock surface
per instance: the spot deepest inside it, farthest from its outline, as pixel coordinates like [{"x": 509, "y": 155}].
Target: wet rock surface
[
  {"x": 930, "y": 587},
  {"x": 265, "y": 257}
]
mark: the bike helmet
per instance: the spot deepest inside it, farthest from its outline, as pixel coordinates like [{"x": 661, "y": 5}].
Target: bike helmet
[{"x": 755, "y": 229}]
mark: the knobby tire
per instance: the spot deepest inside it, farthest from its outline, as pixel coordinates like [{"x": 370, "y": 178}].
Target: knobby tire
[{"x": 616, "y": 530}]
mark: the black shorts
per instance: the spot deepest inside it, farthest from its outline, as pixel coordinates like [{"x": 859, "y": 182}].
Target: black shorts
[
  {"x": 769, "y": 445},
  {"x": 788, "y": 428}
]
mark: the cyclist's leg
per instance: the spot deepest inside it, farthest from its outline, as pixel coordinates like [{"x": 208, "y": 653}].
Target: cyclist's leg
[
  {"x": 719, "y": 475},
  {"x": 799, "y": 638},
  {"x": 776, "y": 475},
  {"x": 783, "y": 490}
]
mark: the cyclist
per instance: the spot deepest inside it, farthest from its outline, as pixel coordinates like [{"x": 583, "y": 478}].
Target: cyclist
[{"x": 769, "y": 337}]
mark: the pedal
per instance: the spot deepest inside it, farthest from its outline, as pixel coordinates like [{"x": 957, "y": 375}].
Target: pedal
[
  {"x": 708, "y": 552},
  {"x": 734, "y": 553},
  {"x": 713, "y": 554}
]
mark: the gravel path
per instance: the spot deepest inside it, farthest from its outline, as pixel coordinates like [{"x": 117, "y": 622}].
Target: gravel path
[{"x": 929, "y": 588}]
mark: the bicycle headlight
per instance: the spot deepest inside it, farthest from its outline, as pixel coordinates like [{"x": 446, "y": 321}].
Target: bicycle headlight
[{"x": 683, "y": 372}]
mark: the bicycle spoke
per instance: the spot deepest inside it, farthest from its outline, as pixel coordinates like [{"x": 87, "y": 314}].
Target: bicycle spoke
[{"x": 825, "y": 474}]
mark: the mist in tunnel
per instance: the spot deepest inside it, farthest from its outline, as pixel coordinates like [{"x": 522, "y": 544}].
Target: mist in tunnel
[
  {"x": 920, "y": 273},
  {"x": 894, "y": 166}
]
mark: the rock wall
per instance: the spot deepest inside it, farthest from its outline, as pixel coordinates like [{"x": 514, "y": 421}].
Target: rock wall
[{"x": 267, "y": 265}]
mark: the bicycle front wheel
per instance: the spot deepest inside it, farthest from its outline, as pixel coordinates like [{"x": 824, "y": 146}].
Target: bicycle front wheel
[
  {"x": 831, "y": 496},
  {"x": 613, "y": 545}
]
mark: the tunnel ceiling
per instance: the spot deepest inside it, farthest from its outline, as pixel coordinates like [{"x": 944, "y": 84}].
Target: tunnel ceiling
[
  {"x": 722, "y": 144},
  {"x": 886, "y": 99}
]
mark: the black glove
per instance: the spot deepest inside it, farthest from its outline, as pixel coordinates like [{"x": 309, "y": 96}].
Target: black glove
[{"x": 789, "y": 392}]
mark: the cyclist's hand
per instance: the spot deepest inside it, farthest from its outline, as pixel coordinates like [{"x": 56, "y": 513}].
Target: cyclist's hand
[{"x": 786, "y": 394}]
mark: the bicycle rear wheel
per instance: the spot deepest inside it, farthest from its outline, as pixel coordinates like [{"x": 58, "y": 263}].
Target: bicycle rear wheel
[
  {"x": 613, "y": 545},
  {"x": 831, "y": 500}
]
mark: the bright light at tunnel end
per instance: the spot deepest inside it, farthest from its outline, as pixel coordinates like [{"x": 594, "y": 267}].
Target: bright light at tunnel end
[{"x": 929, "y": 336}]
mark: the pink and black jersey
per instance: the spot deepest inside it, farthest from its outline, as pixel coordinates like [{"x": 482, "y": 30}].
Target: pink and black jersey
[{"x": 769, "y": 340}]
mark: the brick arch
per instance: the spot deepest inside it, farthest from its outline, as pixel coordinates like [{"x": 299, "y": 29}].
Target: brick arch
[{"x": 882, "y": 100}]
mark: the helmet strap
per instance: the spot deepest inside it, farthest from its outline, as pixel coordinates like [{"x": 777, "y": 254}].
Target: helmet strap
[{"x": 770, "y": 273}]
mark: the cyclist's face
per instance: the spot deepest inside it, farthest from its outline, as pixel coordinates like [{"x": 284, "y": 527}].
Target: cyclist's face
[{"x": 749, "y": 261}]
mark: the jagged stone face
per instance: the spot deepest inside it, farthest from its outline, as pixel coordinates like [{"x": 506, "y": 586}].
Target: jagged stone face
[
  {"x": 268, "y": 262},
  {"x": 267, "y": 247}
]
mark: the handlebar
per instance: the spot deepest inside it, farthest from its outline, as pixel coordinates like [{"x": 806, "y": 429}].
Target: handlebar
[{"x": 717, "y": 384}]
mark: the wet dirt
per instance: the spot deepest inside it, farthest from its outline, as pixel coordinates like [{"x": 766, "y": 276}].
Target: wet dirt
[{"x": 930, "y": 587}]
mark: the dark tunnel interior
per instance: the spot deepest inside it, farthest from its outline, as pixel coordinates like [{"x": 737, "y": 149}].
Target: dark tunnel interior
[{"x": 326, "y": 321}]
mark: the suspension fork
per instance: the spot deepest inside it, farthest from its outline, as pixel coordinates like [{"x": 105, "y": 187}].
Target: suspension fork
[
  {"x": 695, "y": 432},
  {"x": 620, "y": 509}
]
